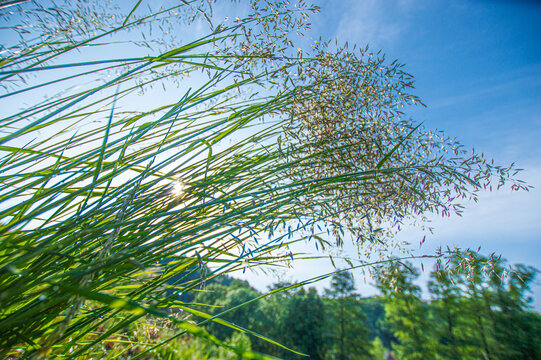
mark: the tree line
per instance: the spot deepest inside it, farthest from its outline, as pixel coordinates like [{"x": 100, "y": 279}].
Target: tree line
[{"x": 481, "y": 311}]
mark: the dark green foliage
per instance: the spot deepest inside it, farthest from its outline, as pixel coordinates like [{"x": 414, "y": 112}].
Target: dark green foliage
[
  {"x": 348, "y": 336},
  {"x": 304, "y": 323},
  {"x": 494, "y": 300},
  {"x": 218, "y": 298},
  {"x": 465, "y": 307},
  {"x": 406, "y": 312},
  {"x": 516, "y": 331},
  {"x": 447, "y": 308},
  {"x": 374, "y": 310}
]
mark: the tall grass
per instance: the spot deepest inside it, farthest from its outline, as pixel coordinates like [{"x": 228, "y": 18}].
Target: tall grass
[{"x": 107, "y": 195}]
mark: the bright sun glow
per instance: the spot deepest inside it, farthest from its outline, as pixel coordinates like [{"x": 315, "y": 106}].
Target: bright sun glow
[{"x": 177, "y": 188}]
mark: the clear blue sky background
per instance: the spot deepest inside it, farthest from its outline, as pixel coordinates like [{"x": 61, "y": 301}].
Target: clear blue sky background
[{"x": 477, "y": 66}]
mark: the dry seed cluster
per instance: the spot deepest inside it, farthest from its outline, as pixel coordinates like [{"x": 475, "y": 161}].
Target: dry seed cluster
[{"x": 348, "y": 120}]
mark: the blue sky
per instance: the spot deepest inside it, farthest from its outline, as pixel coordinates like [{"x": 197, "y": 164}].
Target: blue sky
[{"x": 477, "y": 66}]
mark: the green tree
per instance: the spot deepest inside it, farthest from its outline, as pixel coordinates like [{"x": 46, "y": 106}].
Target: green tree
[
  {"x": 528, "y": 321},
  {"x": 485, "y": 308},
  {"x": 304, "y": 323},
  {"x": 447, "y": 308},
  {"x": 271, "y": 320},
  {"x": 515, "y": 329},
  {"x": 374, "y": 310},
  {"x": 221, "y": 298},
  {"x": 348, "y": 335},
  {"x": 406, "y": 312},
  {"x": 378, "y": 351}
]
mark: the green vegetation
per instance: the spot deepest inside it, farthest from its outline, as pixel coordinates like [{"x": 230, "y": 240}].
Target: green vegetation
[
  {"x": 464, "y": 320},
  {"x": 336, "y": 325},
  {"x": 348, "y": 335},
  {"x": 114, "y": 193}
]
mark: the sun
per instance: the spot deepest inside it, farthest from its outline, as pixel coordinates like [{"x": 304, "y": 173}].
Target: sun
[{"x": 177, "y": 188}]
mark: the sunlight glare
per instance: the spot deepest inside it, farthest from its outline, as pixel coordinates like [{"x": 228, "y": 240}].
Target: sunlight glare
[{"x": 177, "y": 188}]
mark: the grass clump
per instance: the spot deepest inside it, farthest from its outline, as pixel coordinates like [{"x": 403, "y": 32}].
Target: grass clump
[{"x": 112, "y": 192}]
